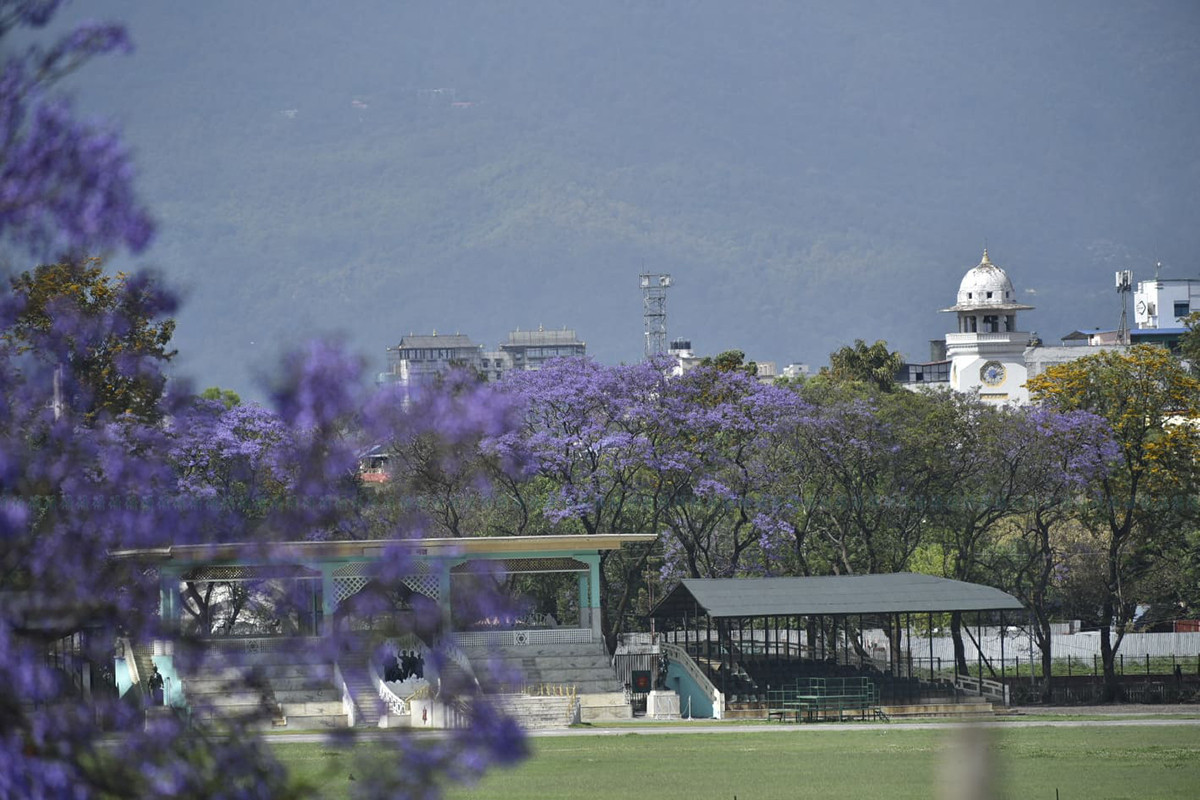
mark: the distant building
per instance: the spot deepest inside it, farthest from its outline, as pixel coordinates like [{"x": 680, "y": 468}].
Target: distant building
[
  {"x": 925, "y": 373},
  {"x": 1162, "y": 303},
  {"x": 684, "y": 357},
  {"x": 1159, "y": 308},
  {"x": 987, "y": 352},
  {"x": 768, "y": 371},
  {"x": 529, "y": 350},
  {"x": 1039, "y": 359},
  {"x": 417, "y": 358},
  {"x": 1091, "y": 338},
  {"x": 796, "y": 370}
]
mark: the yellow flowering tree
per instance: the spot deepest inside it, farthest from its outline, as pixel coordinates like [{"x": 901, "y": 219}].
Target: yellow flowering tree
[{"x": 1143, "y": 503}]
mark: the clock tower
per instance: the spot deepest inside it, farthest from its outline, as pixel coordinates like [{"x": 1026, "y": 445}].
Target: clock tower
[{"x": 987, "y": 353}]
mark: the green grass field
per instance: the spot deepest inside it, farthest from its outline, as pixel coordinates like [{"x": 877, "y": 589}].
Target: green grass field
[{"x": 801, "y": 762}]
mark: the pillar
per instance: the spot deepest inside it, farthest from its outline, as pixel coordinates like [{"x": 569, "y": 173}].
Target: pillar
[
  {"x": 168, "y": 597},
  {"x": 444, "y": 566},
  {"x": 585, "y": 620},
  {"x": 328, "y": 598},
  {"x": 589, "y": 612}
]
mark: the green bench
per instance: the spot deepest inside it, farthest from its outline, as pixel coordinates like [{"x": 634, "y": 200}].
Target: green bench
[{"x": 814, "y": 699}]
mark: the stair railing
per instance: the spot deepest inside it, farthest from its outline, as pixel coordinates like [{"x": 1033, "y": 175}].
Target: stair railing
[
  {"x": 348, "y": 707},
  {"x": 135, "y": 678},
  {"x": 993, "y": 690},
  {"x": 680, "y": 657},
  {"x": 395, "y": 704}
]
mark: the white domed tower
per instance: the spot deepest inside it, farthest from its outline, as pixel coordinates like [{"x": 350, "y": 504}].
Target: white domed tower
[{"x": 988, "y": 351}]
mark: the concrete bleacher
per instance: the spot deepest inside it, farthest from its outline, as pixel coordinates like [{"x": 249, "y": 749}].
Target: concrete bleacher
[
  {"x": 580, "y": 669},
  {"x": 273, "y": 686},
  {"x": 748, "y": 685}
]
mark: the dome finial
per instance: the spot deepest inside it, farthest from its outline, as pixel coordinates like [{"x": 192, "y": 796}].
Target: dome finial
[{"x": 985, "y": 257}]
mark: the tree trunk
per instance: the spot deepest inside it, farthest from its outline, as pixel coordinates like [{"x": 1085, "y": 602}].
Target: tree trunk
[
  {"x": 960, "y": 651},
  {"x": 1042, "y": 637},
  {"x": 1108, "y": 655}
]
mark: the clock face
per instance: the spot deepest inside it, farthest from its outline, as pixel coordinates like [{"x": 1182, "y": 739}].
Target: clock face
[{"x": 992, "y": 373}]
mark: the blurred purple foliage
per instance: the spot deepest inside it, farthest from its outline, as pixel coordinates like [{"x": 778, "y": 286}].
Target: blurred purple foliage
[
  {"x": 66, "y": 185},
  {"x": 78, "y": 489}
]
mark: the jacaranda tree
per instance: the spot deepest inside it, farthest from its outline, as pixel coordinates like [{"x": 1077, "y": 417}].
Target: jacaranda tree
[{"x": 86, "y": 487}]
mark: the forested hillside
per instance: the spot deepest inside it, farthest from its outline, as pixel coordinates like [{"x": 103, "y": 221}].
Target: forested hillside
[{"x": 809, "y": 173}]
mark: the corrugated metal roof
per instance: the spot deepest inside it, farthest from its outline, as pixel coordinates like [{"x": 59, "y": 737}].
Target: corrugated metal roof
[{"x": 831, "y": 595}]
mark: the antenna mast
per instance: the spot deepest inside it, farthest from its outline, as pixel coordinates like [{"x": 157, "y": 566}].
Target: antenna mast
[
  {"x": 1124, "y": 287},
  {"x": 654, "y": 312}
]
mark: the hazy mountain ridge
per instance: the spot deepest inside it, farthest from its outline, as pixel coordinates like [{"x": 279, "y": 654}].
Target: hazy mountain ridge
[{"x": 809, "y": 175}]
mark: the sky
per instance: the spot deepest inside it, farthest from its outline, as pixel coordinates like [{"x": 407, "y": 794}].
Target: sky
[{"x": 809, "y": 173}]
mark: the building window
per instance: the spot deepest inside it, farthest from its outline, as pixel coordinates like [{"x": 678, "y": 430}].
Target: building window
[
  {"x": 1182, "y": 309},
  {"x": 989, "y": 295}
]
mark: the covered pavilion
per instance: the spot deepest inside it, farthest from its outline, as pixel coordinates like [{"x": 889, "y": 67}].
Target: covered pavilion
[
  {"x": 748, "y": 631},
  {"x": 330, "y": 574}
]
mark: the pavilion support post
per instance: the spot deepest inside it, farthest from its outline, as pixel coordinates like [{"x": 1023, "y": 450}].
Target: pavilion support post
[
  {"x": 846, "y": 639},
  {"x": 584, "y": 597},
  {"x": 862, "y": 641},
  {"x": 1003, "y": 673},
  {"x": 328, "y": 598},
  {"x": 593, "y": 562},
  {"x": 169, "y": 606},
  {"x": 443, "y": 572},
  {"x": 931, "y": 650},
  {"x": 726, "y": 656},
  {"x": 908, "y": 641},
  {"x": 708, "y": 638}
]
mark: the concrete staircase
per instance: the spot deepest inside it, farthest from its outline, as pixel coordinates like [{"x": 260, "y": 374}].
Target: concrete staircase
[
  {"x": 538, "y": 713},
  {"x": 585, "y": 667},
  {"x": 369, "y": 709},
  {"x": 142, "y": 657}
]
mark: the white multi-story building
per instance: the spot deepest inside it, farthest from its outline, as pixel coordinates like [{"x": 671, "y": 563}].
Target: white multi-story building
[
  {"x": 1162, "y": 303},
  {"x": 987, "y": 352}
]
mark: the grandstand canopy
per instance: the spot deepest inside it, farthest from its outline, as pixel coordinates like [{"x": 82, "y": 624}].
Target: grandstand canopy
[{"x": 830, "y": 596}]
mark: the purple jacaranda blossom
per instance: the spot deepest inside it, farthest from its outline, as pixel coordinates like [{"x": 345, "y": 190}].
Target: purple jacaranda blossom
[
  {"x": 87, "y": 492},
  {"x": 77, "y": 491},
  {"x": 66, "y": 185}
]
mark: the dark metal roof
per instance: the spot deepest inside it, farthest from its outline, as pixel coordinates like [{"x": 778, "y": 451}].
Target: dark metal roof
[{"x": 830, "y": 595}]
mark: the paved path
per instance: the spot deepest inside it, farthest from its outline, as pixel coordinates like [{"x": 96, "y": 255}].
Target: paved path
[{"x": 707, "y": 726}]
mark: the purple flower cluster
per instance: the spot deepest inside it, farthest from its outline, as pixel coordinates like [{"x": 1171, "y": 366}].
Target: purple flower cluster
[{"x": 66, "y": 185}]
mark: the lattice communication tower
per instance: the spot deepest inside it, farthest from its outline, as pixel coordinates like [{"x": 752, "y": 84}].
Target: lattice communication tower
[
  {"x": 654, "y": 312},
  {"x": 1124, "y": 287}
]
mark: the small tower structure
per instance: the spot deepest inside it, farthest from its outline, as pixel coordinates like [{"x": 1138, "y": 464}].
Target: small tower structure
[
  {"x": 654, "y": 312},
  {"x": 987, "y": 353}
]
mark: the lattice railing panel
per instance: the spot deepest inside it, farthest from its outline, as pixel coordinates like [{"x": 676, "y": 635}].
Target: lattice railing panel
[
  {"x": 348, "y": 587},
  {"x": 368, "y": 568},
  {"x": 514, "y": 565},
  {"x": 248, "y": 572},
  {"x": 423, "y": 584}
]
